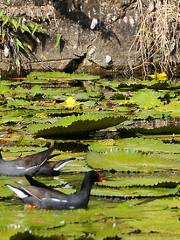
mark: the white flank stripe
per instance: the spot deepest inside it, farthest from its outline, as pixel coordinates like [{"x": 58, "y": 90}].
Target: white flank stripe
[
  {"x": 71, "y": 207},
  {"x": 58, "y": 200},
  {"x": 55, "y": 200},
  {"x": 20, "y": 167}
]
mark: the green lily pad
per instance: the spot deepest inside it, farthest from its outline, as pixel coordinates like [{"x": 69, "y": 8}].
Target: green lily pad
[
  {"x": 61, "y": 75},
  {"x": 146, "y": 98},
  {"x": 120, "y": 160},
  {"x": 69, "y": 126}
]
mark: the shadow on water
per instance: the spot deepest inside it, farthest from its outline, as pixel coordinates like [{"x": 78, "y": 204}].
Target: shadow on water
[{"x": 29, "y": 236}]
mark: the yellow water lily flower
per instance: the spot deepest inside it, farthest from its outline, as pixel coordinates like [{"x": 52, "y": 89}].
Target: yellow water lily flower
[
  {"x": 159, "y": 76},
  {"x": 70, "y": 102}
]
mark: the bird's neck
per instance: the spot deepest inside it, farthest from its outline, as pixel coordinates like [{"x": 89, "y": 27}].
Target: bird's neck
[
  {"x": 1, "y": 158},
  {"x": 86, "y": 185}
]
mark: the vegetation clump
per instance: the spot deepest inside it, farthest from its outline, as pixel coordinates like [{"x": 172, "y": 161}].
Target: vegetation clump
[
  {"x": 19, "y": 39},
  {"x": 156, "y": 41}
]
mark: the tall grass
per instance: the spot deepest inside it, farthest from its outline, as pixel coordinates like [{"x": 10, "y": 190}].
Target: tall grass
[{"x": 156, "y": 41}]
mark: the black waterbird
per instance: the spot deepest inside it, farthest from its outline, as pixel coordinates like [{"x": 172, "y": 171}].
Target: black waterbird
[
  {"x": 35, "y": 164},
  {"x": 38, "y": 195}
]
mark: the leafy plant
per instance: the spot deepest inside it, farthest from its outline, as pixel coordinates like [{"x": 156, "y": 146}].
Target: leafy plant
[
  {"x": 58, "y": 40},
  {"x": 19, "y": 39}
]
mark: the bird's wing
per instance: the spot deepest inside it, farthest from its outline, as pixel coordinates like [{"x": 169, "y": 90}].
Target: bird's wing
[
  {"x": 19, "y": 192},
  {"x": 36, "y": 159},
  {"x": 60, "y": 164}
]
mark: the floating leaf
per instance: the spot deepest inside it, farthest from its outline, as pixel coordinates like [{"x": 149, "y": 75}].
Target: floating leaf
[
  {"x": 76, "y": 126},
  {"x": 134, "y": 192},
  {"x": 146, "y": 98},
  {"x": 135, "y": 144},
  {"x": 61, "y": 75},
  {"x": 130, "y": 161},
  {"x": 140, "y": 180}
]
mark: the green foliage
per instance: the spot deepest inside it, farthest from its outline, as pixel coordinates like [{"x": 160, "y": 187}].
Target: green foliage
[
  {"x": 134, "y": 192},
  {"x": 134, "y": 131},
  {"x": 146, "y": 98},
  {"x": 135, "y": 144},
  {"x": 148, "y": 145},
  {"x": 173, "y": 108},
  {"x": 135, "y": 84},
  {"x": 18, "y": 103},
  {"x": 58, "y": 40},
  {"x": 76, "y": 126},
  {"x": 137, "y": 181},
  {"x": 129, "y": 160},
  {"x": 19, "y": 38}
]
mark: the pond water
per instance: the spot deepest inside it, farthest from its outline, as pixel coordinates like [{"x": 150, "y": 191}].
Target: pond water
[{"x": 128, "y": 130}]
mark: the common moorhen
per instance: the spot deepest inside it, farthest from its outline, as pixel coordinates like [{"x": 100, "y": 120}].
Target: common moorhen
[
  {"x": 53, "y": 168},
  {"x": 38, "y": 195},
  {"x": 35, "y": 164}
]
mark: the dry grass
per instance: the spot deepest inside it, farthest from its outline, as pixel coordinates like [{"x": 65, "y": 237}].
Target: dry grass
[{"x": 156, "y": 42}]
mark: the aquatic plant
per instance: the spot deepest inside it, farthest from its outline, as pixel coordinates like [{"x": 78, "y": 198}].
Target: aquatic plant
[
  {"x": 60, "y": 76},
  {"x": 70, "y": 102},
  {"x": 158, "y": 76},
  {"x": 141, "y": 174},
  {"x": 76, "y": 126},
  {"x": 19, "y": 38}
]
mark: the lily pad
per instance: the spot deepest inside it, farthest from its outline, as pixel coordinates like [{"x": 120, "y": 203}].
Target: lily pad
[
  {"x": 61, "y": 75},
  {"x": 120, "y": 160},
  {"x": 76, "y": 126}
]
